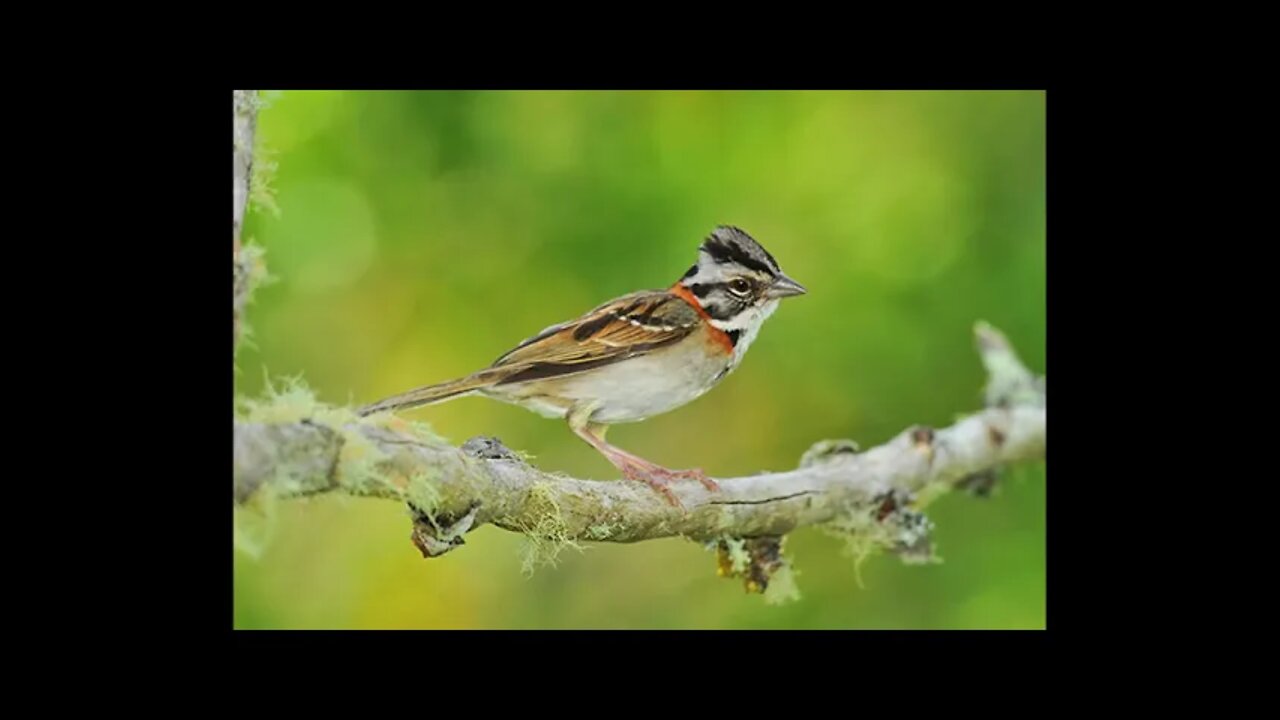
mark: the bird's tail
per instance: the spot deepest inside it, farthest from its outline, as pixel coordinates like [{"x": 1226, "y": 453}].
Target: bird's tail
[{"x": 434, "y": 393}]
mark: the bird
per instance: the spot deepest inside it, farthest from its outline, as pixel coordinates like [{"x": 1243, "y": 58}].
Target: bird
[{"x": 636, "y": 356}]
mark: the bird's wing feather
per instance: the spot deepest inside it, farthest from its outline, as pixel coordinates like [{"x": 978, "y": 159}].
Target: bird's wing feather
[{"x": 626, "y": 327}]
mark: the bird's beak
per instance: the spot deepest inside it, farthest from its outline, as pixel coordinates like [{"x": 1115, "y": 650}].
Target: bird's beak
[{"x": 785, "y": 287}]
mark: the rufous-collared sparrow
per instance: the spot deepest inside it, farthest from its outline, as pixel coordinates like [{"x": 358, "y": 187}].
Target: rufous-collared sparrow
[{"x": 638, "y": 356}]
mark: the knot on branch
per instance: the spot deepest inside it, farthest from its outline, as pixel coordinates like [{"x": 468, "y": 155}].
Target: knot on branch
[
  {"x": 1009, "y": 382},
  {"x": 825, "y": 451},
  {"x": 980, "y": 484},
  {"x": 921, "y": 438},
  {"x": 907, "y": 531},
  {"x": 761, "y": 565},
  {"x": 436, "y": 535},
  {"x": 886, "y": 523},
  {"x": 490, "y": 448}
]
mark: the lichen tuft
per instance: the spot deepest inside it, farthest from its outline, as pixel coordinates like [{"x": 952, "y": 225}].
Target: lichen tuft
[
  {"x": 254, "y": 522},
  {"x": 760, "y": 564},
  {"x": 602, "y": 531},
  {"x": 890, "y": 523},
  {"x": 261, "y": 195},
  {"x": 782, "y": 587},
  {"x": 825, "y": 451},
  {"x": 547, "y": 534}
]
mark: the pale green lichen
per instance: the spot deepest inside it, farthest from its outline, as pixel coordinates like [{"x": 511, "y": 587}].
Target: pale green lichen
[
  {"x": 862, "y": 537},
  {"x": 547, "y": 534},
  {"x": 890, "y": 523},
  {"x": 602, "y": 531},
  {"x": 263, "y": 165},
  {"x": 261, "y": 195},
  {"x": 724, "y": 517},
  {"x": 362, "y": 466},
  {"x": 828, "y": 450},
  {"x": 782, "y": 587},
  {"x": 424, "y": 498},
  {"x": 250, "y": 273},
  {"x": 359, "y": 469},
  {"x": 254, "y": 523},
  {"x": 761, "y": 565},
  {"x": 739, "y": 559},
  {"x": 289, "y": 400}
]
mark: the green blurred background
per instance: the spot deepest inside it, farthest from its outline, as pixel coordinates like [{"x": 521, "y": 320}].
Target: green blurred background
[{"x": 422, "y": 234}]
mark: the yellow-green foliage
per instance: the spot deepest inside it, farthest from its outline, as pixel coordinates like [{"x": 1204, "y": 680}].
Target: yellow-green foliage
[{"x": 547, "y": 534}]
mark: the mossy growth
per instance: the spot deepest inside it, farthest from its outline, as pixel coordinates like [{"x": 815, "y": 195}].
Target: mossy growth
[
  {"x": 263, "y": 168},
  {"x": 362, "y": 466},
  {"x": 289, "y": 400},
  {"x": 891, "y": 522},
  {"x": 825, "y": 451},
  {"x": 547, "y": 534},
  {"x": 262, "y": 196},
  {"x": 761, "y": 565},
  {"x": 250, "y": 273},
  {"x": 254, "y": 523},
  {"x": 424, "y": 499},
  {"x": 360, "y": 470},
  {"x": 782, "y": 588},
  {"x": 602, "y": 531}
]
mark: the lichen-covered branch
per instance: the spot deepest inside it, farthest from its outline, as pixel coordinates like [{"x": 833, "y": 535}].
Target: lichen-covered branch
[
  {"x": 244, "y": 125},
  {"x": 452, "y": 490}
]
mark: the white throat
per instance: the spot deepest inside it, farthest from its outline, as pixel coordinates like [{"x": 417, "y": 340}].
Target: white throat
[{"x": 748, "y": 323}]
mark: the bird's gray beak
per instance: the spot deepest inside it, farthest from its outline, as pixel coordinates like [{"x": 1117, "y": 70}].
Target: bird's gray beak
[{"x": 785, "y": 287}]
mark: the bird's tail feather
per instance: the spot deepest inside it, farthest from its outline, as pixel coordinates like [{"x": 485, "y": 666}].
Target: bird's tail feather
[{"x": 433, "y": 393}]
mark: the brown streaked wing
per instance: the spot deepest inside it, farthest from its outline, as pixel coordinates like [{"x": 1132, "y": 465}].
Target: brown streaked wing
[{"x": 628, "y": 326}]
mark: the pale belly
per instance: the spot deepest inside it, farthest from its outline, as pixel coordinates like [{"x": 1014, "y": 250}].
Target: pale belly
[{"x": 626, "y": 391}]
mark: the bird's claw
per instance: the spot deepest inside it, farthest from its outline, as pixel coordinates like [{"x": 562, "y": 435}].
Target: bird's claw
[{"x": 659, "y": 478}]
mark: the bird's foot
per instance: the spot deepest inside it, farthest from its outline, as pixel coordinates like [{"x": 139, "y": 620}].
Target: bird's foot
[
  {"x": 655, "y": 480},
  {"x": 695, "y": 474},
  {"x": 659, "y": 478}
]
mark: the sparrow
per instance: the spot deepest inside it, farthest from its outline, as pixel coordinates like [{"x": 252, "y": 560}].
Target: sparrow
[{"x": 636, "y": 356}]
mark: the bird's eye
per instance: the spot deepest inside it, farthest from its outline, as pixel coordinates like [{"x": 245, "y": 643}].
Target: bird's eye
[{"x": 739, "y": 287}]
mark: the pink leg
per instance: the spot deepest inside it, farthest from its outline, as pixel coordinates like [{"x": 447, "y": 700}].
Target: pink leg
[{"x": 634, "y": 467}]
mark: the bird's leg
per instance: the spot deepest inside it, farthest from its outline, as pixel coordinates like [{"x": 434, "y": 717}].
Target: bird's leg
[{"x": 634, "y": 467}]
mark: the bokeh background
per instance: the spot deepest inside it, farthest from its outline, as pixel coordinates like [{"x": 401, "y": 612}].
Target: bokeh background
[{"x": 420, "y": 235}]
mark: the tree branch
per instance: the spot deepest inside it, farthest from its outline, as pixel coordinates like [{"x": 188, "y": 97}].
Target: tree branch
[
  {"x": 244, "y": 116},
  {"x": 453, "y": 490}
]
